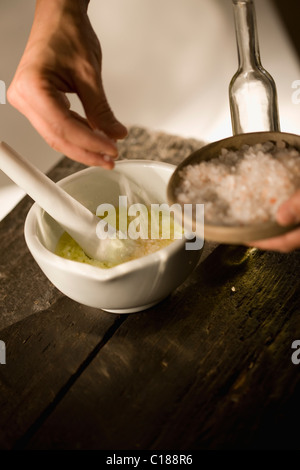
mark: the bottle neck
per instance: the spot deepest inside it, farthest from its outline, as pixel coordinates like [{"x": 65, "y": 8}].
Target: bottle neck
[{"x": 246, "y": 34}]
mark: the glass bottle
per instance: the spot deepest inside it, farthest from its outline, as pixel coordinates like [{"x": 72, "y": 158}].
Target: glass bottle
[{"x": 252, "y": 90}]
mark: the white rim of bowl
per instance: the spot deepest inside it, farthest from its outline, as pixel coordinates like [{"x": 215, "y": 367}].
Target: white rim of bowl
[{"x": 36, "y": 247}]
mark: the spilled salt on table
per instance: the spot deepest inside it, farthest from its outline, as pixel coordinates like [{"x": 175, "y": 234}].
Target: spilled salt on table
[{"x": 242, "y": 187}]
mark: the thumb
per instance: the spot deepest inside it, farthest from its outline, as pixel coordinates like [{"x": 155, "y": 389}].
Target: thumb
[
  {"x": 289, "y": 212},
  {"x": 99, "y": 113}
]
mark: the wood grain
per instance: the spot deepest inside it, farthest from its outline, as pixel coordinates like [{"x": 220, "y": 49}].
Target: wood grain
[{"x": 208, "y": 368}]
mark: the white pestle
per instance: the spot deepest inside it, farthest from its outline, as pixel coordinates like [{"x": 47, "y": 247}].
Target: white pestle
[{"x": 71, "y": 215}]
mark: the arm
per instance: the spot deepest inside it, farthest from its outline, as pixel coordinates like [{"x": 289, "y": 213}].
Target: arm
[{"x": 63, "y": 55}]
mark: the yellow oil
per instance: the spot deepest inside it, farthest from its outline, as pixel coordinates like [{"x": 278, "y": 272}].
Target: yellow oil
[{"x": 67, "y": 247}]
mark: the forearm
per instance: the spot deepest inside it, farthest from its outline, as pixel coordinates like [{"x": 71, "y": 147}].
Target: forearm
[{"x": 80, "y": 6}]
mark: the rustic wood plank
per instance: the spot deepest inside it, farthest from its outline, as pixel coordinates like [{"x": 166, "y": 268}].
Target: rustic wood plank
[
  {"x": 209, "y": 368},
  {"x": 23, "y": 287},
  {"x": 45, "y": 353},
  {"x": 47, "y": 336},
  {"x": 50, "y": 339}
]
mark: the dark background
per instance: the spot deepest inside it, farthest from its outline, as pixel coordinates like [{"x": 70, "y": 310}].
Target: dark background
[{"x": 289, "y": 11}]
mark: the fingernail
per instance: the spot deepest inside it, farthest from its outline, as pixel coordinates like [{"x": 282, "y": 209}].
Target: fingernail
[
  {"x": 107, "y": 158},
  {"x": 107, "y": 162}
]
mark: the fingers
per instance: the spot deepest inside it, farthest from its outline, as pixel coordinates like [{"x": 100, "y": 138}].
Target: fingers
[
  {"x": 289, "y": 212},
  {"x": 97, "y": 109},
  {"x": 285, "y": 243},
  {"x": 64, "y": 130}
]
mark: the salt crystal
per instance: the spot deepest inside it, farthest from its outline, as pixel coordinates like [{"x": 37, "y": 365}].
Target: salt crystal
[{"x": 245, "y": 186}]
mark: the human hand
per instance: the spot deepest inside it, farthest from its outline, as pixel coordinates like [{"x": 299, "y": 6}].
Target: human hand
[
  {"x": 287, "y": 214},
  {"x": 63, "y": 55}
]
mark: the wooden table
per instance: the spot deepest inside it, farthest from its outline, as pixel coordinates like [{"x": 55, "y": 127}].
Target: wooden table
[{"x": 208, "y": 368}]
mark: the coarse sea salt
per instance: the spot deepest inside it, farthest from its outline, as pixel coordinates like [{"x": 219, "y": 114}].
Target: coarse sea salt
[{"x": 242, "y": 187}]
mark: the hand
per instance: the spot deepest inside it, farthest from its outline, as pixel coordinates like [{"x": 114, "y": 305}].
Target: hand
[
  {"x": 288, "y": 214},
  {"x": 63, "y": 55}
]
